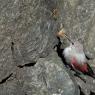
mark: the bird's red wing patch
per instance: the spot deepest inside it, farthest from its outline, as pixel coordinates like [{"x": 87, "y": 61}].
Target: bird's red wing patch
[
  {"x": 84, "y": 68},
  {"x": 81, "y": 67}
]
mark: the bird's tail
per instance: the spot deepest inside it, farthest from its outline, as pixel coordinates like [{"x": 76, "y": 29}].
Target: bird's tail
[{"x": 91, "y": 72}]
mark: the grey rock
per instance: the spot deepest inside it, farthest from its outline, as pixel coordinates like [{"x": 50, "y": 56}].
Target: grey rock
[
  {"x": 31, "y": 25},
  {"x": 87, "y": 87},
  {"x": 7, "y": 65},
  {"x": 47, "y": 77}
]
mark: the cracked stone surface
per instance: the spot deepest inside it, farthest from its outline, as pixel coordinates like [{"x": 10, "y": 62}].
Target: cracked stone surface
[
  {"x": 87, "y": 87},
  {"x": 32, "y": 25},
  {"x": 6, "y": 61},
  {"x": 47, "y": 77}
]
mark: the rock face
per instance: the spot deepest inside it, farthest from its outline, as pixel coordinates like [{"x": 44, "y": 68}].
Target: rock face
[
  {"x": 28, "y": 32},
  {"x": 29, "y": 24},
  {"x": 47, "y": 77}
]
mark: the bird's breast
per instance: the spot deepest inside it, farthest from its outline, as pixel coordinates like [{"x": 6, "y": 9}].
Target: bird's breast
[{"x": 70, "y": 53}]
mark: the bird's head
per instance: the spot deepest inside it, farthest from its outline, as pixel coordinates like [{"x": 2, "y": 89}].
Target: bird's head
[{"x": 77, "y": 46}]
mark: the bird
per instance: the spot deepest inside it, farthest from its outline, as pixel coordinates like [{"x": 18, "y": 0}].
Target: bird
[{"x": 75, "y": 57}]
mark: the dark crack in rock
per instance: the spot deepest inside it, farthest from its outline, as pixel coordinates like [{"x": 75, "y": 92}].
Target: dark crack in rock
[
  {"x": 48, "y": 77},
  {"x": 7, "y": 65}
]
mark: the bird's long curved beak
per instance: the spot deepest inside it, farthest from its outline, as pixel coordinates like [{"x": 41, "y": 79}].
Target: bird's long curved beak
[
  {"x": 61, "y": 33},
  {"x": 69, "y": 39}
]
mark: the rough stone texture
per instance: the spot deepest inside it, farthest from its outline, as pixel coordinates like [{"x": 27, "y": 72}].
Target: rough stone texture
[
  {"x": 31, "y": 25},
  {"x": 87, "y": 87},
  {"x": 47, "y": 77},
  {"x": 7, "y": 65}
]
